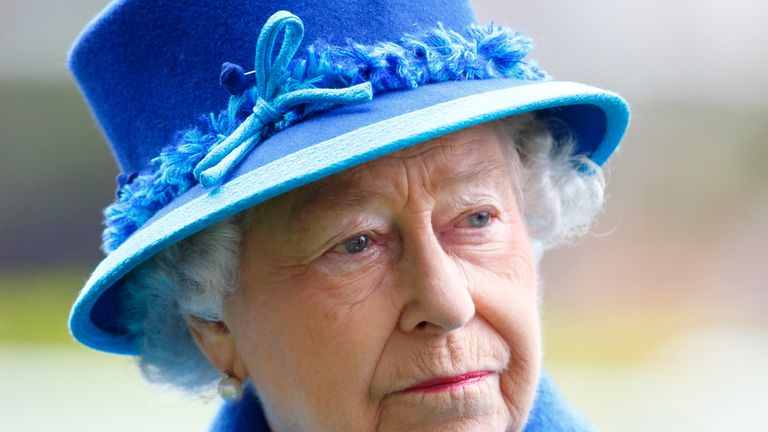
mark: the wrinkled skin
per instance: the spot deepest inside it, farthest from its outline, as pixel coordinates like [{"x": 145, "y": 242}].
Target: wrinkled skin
[{"x": 411, "y": 267}]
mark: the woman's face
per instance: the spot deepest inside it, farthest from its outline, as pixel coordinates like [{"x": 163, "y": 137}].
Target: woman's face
[{"x": 396, "y": 296}]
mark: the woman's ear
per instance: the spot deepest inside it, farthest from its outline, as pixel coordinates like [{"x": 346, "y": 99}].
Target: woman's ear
[{"x": 218, "y": 345}]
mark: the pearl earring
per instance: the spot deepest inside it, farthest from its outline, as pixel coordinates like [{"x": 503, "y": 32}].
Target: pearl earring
[{"x": 230, "y": 388}]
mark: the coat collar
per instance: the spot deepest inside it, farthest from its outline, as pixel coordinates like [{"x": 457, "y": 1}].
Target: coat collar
[{"x": 551, "y": 412}]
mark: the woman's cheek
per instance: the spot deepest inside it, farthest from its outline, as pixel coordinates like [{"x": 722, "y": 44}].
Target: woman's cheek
[
  {"x": 499, "y": 249},
  {"x": 504, "y": 283},
  {"x": 348, "y": 278}
]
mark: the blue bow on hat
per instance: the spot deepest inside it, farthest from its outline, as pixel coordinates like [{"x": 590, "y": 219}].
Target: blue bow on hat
[{"x": 271, "y": 104}]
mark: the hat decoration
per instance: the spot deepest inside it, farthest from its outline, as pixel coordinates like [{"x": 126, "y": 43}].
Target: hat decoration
[
  {"x": 271, "y": 101},
  {"x": 288, "y": 90}
]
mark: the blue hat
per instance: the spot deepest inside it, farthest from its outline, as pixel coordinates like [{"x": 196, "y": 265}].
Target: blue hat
[{"x": 202, "y": 131}]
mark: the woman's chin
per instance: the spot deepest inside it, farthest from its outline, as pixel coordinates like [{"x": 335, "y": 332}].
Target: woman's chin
[{"x": 475, "y": 406}]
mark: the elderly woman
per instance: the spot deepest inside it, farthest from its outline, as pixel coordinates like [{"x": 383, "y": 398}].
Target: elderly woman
[{"x": 347, "y": 238}]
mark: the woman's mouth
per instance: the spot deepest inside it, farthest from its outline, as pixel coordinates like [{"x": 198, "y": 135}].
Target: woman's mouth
[{"x": 449, "y": 383}]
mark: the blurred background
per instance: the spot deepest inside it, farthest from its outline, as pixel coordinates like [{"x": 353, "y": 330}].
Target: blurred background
[{"x": 655, "y": 322}]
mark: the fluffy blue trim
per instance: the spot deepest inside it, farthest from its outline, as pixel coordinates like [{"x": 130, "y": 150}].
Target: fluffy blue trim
[{"x": 438, "y": 55}]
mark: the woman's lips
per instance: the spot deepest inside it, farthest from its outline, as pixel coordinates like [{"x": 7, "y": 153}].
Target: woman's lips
[{"x": 448, "y": 383}]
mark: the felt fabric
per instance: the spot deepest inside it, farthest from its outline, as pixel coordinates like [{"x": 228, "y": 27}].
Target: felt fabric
[
  {"x": 149, "y": 68},
  {"x": 551, "y": 413},
  {"x": 323, "y": 77}
]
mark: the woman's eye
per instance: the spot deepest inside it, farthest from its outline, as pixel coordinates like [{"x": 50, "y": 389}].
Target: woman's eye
[
  {"x": 353, "y": 245},
  {"x": 479, "y": 219}
]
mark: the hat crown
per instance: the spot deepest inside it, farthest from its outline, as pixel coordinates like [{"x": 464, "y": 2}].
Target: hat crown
[{"x": 149, "y": 68}]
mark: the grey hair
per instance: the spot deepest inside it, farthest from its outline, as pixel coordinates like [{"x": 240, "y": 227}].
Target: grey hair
[
  {"x": 560, "y": 195},
  {"x": 560, "y": 192}
]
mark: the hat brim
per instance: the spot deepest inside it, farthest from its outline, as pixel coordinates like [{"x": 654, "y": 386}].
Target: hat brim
[{"x": 327, "y": 144}]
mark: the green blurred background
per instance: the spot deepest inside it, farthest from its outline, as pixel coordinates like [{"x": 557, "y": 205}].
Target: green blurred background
[{"x": 654, "y": 322}]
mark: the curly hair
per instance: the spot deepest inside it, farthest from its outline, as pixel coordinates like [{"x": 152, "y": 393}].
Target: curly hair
[{"x": 560, "y": 194}]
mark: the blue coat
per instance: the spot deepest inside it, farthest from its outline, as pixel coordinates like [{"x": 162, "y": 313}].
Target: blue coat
[{"x": 551, "y": 413}]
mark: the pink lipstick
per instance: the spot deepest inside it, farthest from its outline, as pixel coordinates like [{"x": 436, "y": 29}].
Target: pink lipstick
[{"x": 448, "y": 383}]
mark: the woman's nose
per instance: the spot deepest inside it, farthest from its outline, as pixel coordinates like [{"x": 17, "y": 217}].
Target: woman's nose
[{"x": 437, "y": 291}]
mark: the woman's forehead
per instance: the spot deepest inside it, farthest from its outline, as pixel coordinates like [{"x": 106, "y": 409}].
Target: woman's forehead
[
  {"x": 484, "y": 137},
  {"x": 455, "y": 155},
  {"x": 468, "y": 158}
]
